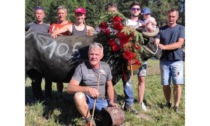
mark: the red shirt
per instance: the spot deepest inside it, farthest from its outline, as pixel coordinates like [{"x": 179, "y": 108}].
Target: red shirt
[{"x": 56, "y": 26}]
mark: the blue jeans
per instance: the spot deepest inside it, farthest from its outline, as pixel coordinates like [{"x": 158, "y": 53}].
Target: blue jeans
[{"x": 128, "y": 92}]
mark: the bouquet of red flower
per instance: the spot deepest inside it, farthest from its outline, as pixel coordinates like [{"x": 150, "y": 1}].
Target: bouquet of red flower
[{"x": 123, "y": 40}]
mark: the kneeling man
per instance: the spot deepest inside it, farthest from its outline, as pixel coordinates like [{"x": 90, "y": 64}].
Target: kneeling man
[{"x": 90, "y": 81}]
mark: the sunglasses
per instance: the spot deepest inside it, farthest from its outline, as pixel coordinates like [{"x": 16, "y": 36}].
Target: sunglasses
[{"x": 133, "y": 9}]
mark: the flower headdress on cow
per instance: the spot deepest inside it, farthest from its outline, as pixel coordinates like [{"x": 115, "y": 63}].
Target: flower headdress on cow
[{"x": 121, "y": 40}]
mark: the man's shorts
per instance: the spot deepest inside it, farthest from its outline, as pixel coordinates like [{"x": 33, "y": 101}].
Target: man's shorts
[
  {"x": 142, "y": 72},
  {"x": 172, "y": 70},
  {"x": 100, "y": 103}
]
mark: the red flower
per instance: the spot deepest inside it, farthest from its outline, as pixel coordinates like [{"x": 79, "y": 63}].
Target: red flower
[
  {"x": 115, "y": 47},
  {"x": 107, "y": 31},
  {"x": 128, "y": 55},
  {"x": 123, "y": 38},
  {"x": 111, "y": 42},
  {"x": 137, "y": 46},
  {"x": 117, "y": 19},
  {"x": 118, "y": 26},
  {"x": 138, "y": 62},
  {"x": 103, "y": 25}
]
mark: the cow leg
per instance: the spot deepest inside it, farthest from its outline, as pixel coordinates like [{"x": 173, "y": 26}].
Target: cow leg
[
  {"x": 60, "y": 89},
  {"x": 36, "y": 88},
  {"x": 48, "y": 88}
]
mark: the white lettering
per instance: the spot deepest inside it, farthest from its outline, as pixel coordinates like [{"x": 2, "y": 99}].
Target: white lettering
[
  {"x": 59, "y": 49},
  {"x": 74, "y": 46}
]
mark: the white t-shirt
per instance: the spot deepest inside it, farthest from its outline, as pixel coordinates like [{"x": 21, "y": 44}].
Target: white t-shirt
[{"x": 133, "y": 24}]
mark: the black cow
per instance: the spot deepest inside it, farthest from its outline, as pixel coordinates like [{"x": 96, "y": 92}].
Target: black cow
[{"x": 56, "y": 59}]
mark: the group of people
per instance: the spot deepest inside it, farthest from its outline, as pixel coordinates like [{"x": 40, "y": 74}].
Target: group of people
[{"x": 93, "y": 78}]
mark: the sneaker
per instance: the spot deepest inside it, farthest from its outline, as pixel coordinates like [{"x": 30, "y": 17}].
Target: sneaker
[
  {"x": 91, "y": 123},
  {"x": 168, "y": 104},
  {"x": 143, "y": 107},
  {"x": 131, "y": 108},
  {"x": 176, "y": 109}
]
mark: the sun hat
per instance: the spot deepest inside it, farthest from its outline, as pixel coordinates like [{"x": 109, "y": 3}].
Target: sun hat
[
  {"x": 146, "y": 11},
  {"x": 80, "y": 10}
]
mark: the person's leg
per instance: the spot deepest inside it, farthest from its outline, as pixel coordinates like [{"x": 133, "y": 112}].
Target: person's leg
[
  {"x": 177, "y": 92},
  {"x": 141, "y": 85},
  {"x": 178, "y": 80},
  {"x": 141, "y": 88},
  {"x": 128, "y": 91},
  {"x": 81, "y": 104},
  {"x": 167, "y": 92},
  {"x": 165, "y": 81},
  {"x": 84, "y": 104},
  {"x": 129, "y": 98}
]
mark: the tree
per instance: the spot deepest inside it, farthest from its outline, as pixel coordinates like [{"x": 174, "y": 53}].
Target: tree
[
  {"x": 95, "y": 9},
  {"x": 29, "y": 13}
]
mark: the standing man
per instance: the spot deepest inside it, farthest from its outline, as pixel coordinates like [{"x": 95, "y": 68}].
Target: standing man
[
  {"x": 111, "y": 8},
  {"x": 127, "y": 86},
  {"x": 170, "y": 39},
  {"x": 61, "y": 22},
  {"x": 95, "y": 77},
  {"x": 135, "y": 22},
  {"x": 39, "y": 26},
  {"x": 79, "y": 28}
]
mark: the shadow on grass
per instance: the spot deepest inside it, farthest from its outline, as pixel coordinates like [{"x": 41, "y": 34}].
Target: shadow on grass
[
  {"x": 66, "y": 106},
  {"x": 68, "y": 113}
]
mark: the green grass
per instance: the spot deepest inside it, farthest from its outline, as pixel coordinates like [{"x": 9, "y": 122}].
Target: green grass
[{"x": 57, "y": 113}]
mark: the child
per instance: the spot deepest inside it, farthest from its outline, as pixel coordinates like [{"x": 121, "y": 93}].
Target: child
[{"x": 149, "y": 21}]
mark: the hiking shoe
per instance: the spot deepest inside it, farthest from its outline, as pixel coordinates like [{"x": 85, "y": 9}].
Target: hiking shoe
[
  {"x": 168, "y": 104},
  {"x": 143, "y": 107},
  {"x": 176, "y": 109},
  {"x": 91, "y": 123},
  {"x": 131, "y": 108}
]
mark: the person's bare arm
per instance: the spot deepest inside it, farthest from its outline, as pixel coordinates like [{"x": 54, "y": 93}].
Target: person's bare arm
[
  {"x": 154, "y": 22},
  {"x": 74, "y": 87},
  {"x": 110, "y": 92},
  {"x": 173, "y": 46},
  {"x": 90, "y": 31},
  {"x": 61, "y": 30},
  {"x": 157, "y": 41}
]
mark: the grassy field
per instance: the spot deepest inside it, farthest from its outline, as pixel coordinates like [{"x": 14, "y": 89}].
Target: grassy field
[{"x": 64, "y": 113}]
